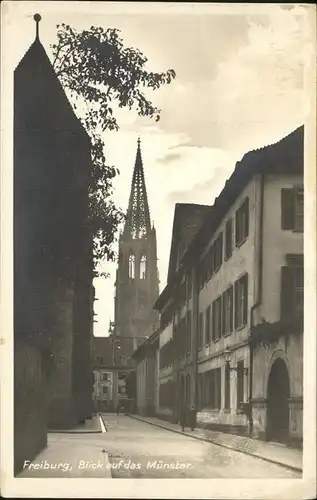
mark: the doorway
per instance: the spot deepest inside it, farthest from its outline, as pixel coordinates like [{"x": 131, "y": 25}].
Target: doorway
[{"x": 277, "y": 403}]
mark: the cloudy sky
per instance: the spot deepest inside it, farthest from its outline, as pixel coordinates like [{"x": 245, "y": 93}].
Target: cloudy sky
[{"x": 239, "y": 86}]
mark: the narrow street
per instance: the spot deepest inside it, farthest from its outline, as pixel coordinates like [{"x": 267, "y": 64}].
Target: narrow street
[{"x": 137, "y": 449}]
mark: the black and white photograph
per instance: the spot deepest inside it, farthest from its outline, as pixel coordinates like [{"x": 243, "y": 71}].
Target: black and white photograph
[{"x": 158, "y": 169}]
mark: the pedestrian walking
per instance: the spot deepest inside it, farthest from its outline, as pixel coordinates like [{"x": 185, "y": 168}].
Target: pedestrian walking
[
  {"x": 118, "y": 408},
  {"x": 192, "y": 417},
  {"x": 183, "y": 416}
]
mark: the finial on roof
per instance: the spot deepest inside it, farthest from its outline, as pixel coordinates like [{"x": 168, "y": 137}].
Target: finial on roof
[
  {"x": 139, "y": 141},
  {"x": 37, "y": 18}
]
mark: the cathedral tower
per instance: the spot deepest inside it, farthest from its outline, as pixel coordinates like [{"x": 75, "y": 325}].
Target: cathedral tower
[{"x": 137, "y": 284}]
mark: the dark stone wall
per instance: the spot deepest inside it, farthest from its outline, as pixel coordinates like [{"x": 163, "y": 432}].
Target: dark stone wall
[
  {"x": 30, "y": 433},
  {"x": 52, "y": 168}
]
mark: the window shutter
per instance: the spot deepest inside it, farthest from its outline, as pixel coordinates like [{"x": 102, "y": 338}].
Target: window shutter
[
  {"x": 246, "y": 208},
  {"x": 236, "y": 287},
  {"x": 287, "y": 292},
  {"x": 245, "y": 304},
  {"x": 224, "y": 304},
  {"x": 230, "y": 293},
  {"x": 287, "y": 208}
]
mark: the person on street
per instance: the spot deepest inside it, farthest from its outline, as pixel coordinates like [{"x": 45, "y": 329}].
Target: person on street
[
  {"x": 192, "y": 417},
  {"x": 183, "y": 416},
  {"x": 118, "y": 408}
]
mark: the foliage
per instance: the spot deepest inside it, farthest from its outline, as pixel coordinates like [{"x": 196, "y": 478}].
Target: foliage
[{"x": 99, "y": 73}]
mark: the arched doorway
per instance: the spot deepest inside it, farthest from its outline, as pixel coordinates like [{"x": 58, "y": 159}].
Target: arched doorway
[{"x": 277, "y": 428}]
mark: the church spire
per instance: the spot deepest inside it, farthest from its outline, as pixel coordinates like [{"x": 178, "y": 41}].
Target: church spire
[{"x": 138, "y": 222}]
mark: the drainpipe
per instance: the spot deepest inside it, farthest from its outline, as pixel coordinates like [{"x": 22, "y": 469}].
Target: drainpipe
[{"x": 258, "y": 300}]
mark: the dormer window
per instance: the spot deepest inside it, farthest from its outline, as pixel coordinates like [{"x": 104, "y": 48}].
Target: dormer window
[
  {"x": 143, "y": 267},
  {"x": 132, "y": 266}
]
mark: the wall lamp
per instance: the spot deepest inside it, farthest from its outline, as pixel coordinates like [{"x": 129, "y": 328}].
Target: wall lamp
[{"x": 227, "y": 355}]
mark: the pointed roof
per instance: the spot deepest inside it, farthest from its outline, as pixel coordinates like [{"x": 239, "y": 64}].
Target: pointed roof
[{"x": 138, "y": 222}]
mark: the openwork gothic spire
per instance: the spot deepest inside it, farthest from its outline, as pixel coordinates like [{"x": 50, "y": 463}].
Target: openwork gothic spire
[{"x": 138, "y": 222}]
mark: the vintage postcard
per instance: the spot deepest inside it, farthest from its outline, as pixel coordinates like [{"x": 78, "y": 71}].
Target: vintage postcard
[{"x": 158, "y": 250}]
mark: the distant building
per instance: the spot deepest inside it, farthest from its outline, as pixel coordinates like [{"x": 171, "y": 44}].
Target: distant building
[
  {"x": 137, "y": 283},
  {"x": 53, "y": 291},
  {"x": 109, "y": 376},
  {"x": 242, "y": 280}
]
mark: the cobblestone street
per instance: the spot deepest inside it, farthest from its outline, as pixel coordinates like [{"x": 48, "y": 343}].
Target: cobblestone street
[{"x": 137, "y": 449}]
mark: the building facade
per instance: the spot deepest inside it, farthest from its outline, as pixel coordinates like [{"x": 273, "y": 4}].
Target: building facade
[
  {"x": 147, "y": 375},
  {"x": 241, "y": 279},
  {"x": 109, "y": 386},
  {"x": 137, "y": 283},
  {"x": 175, "y": 304}
]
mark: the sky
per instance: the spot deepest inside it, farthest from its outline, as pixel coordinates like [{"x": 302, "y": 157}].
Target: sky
[{"x": 239, "y": 86}]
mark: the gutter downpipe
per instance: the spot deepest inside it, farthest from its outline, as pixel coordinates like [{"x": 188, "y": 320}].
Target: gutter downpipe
[{"x": 258, "y": 300}]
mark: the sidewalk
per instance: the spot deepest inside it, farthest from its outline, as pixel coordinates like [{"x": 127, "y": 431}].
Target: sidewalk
[
  {"x": 78, "y": 453},
  {"x": 270, "y": 452}
]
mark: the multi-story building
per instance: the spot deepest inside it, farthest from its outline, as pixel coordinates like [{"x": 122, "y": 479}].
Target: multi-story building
[
  {"x": 175, "y": 304},
  {"x": 109, "y": 388},
  {"x": 241, "y": 280}
]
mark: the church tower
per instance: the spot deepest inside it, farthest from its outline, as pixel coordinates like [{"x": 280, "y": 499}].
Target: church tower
[{"x": 137, "y": 283}]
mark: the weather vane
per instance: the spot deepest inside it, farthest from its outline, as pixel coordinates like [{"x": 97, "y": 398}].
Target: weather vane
[{"x": 37, "y": 19}]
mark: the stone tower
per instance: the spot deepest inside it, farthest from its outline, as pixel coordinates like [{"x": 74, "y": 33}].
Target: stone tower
[{"x": 137, "y": 283}]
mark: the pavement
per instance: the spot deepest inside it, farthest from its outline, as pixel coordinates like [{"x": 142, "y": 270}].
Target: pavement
[
  {"x": 77, "y": 453},
  {"x": 118, "y": 446},
  {"x": 138, "y": 450},
  {"x": 274, "y": 453}
]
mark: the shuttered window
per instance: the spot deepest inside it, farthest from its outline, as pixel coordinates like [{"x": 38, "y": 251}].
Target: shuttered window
[
  {"x": 216, "y": 318},
  {"x": 227, "y": 311},
  {"x": 241, "y": 301},
  {"x": 207, "y": 325},
  {"x": 242, "y": 222},
  {"x": 292, "y": 209},
  {"x": 292, "y": 291},
  {"x": 228, "y": 239}
]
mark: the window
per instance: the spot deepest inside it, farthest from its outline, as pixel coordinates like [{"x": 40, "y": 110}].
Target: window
[
  {"x": 122, "y": 375},
  {"x": 227, "y": 311},
  {"x": 189, "y": 331},
  {"x": 292, "y": 290},
  {"x": 200, "y": 330},
  {"x": 217, "y": 261},
  {"x": 241, "y": 302},
  {"x": 132, "y": 266},
  {"x": 216, "y": 319},
  {"x": 104, "y": 390},
  {"x": 227, "y": 387},
  {"x": 143, "y": 268},
  {"x": 240, "y": 383},
  {"x": 228, "y": 239},
  {"x": 207, "y": 325},
  {"x": 292, "y": 210},
  {"x": 121, "y": 389},
  {"x": 210, "y": 257},
  {"x": 242, "y": 222},
  {"x": 104, "y": 376}
]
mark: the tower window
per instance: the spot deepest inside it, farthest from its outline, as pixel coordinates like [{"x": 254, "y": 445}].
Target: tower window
[
  {"x": 132, "y": 266},
  {"x": 143, "y": 267}
]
